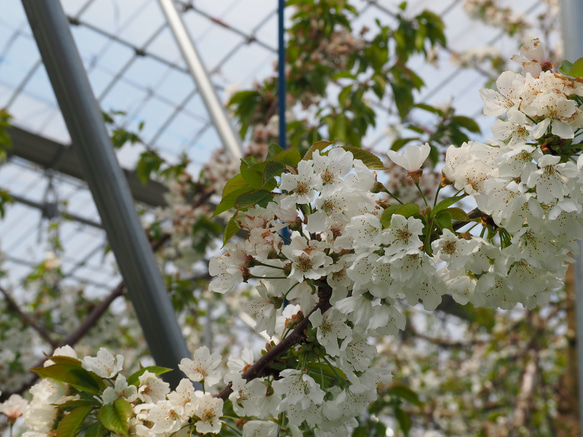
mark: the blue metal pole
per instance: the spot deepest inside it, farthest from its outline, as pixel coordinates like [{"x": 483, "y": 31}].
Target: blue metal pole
[{"x": 281, "y": 75}]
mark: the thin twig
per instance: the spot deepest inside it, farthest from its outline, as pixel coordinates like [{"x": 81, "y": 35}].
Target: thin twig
[
  {"x": 473, "y": 214},
  {"x": 297, "y": 336},
  {"x": 444, "y": 342},
  {"x": 44, "y": 333}
]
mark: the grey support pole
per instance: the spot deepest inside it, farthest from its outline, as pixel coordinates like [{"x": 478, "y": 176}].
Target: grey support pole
[
  {"x": 107, "y": 183},
  {"x": 231, "y": 140},
  {"x": 571, "y": 19}
]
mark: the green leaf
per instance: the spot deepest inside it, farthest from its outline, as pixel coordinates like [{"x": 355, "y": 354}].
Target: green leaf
[
  {"x": 404, "y": 420},
  {"x": 116, "y": 416},
  {"x": 72, "y": 374},
  {"x": 134, "y": 378},
  {"x": 254, "y": 175},
  {"x": 565, "y": 67},
  {"x": 467, "y": 123},
  {"x": 274, "y": 149},
  {"x": 247, "y": 162},
  {"x": 577, "y": 68},
  {"x": 381, "y": 83},
  {"x": 5, "y": 199},
  {"x": 408, "y": 209},
  {"x": 445, "y": 203},
  {"x": 108, "y": 119},
  {"x": 404, "y": 392},
  {"x": 289, "y": 157},
  {"x": 319, "y": 145},
  {"x": 369, "y": 159},
  {"x": 121, "y": 136},
  {"x": 420, "y": 37},
  {"x": 434, "y": 26},
  {"x": 93, "y": 402},
  {"x": 387, "y": 214},
  {"x": 417, "y": 129},
  {"x": 94, "y": 430},
  {"x": 458, "y": 214},
  {"x": 336, "y": 127},
  {"x": 71, "y": 423},
  {"x": 379, "y": 428},
  {"x": 61, "y": 359},
  {"x": 245, "y": 200},
  {"x": 235, "y": 184},
  {"x": 228, "y": 201},
  {"x": 403, "y": 97},
  {"x": 231, "y": 229},
  {"x": 245, "y": 103},
  {"x": 325, "y": 375},
  {"x": 233, "y": 189},
  {"x": 343, "y": 95},
  {"x": 342, "y": 74},
  {"x": 271, "y": 170},
  {"x": 429, "y": 108},
  {"x": 444, "y": 220},
  {"x": 241, "y": 96},
  {"x": 399, "y": 143},
  {"x": 149, "y": 162}
]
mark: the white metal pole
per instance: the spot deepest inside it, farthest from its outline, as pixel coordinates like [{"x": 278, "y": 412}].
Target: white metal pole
[{"x": 230, "y": 138}]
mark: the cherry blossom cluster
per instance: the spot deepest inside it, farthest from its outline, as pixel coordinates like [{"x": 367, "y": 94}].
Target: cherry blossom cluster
[
  {"x": 494, "y": 14},
  {"x": 143, "y": 403},
  {"x": 348, "y": 235},
  {"x": 528, "y": 180},
  {"x": 333, "y": 253}
]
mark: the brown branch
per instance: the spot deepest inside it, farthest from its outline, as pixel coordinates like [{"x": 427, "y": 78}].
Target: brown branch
[
  {"x": 473, "y": 214},
  {"x": 93, "y": 317},
  {"x": 567, "y": 418},
  {"x": 205, "y": 195},
  {"x": 44, "y": 333},
  {"x": 297, "y": 336},
  {"x": 444, "y": 342},
  {"x": 524, "y": 399},
  {"x": 75, "y": 336}
]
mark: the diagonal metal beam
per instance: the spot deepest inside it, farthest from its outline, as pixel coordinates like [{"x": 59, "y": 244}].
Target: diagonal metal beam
[
  {"x": 50, "y": 154},
  {"x": 107, "y": 183},
  {"x": 218, "y": 114}
]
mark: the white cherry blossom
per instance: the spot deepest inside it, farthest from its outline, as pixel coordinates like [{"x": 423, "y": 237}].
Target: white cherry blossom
[
  {"x": 202, "y": 367},
  {"x": 208, "y": 409},
  {"x": 104, "y": 364},
  {"x": 509, "y": 86},
  {"x": 412, "y": 158},
  {"x": 331, "y": 329}
]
